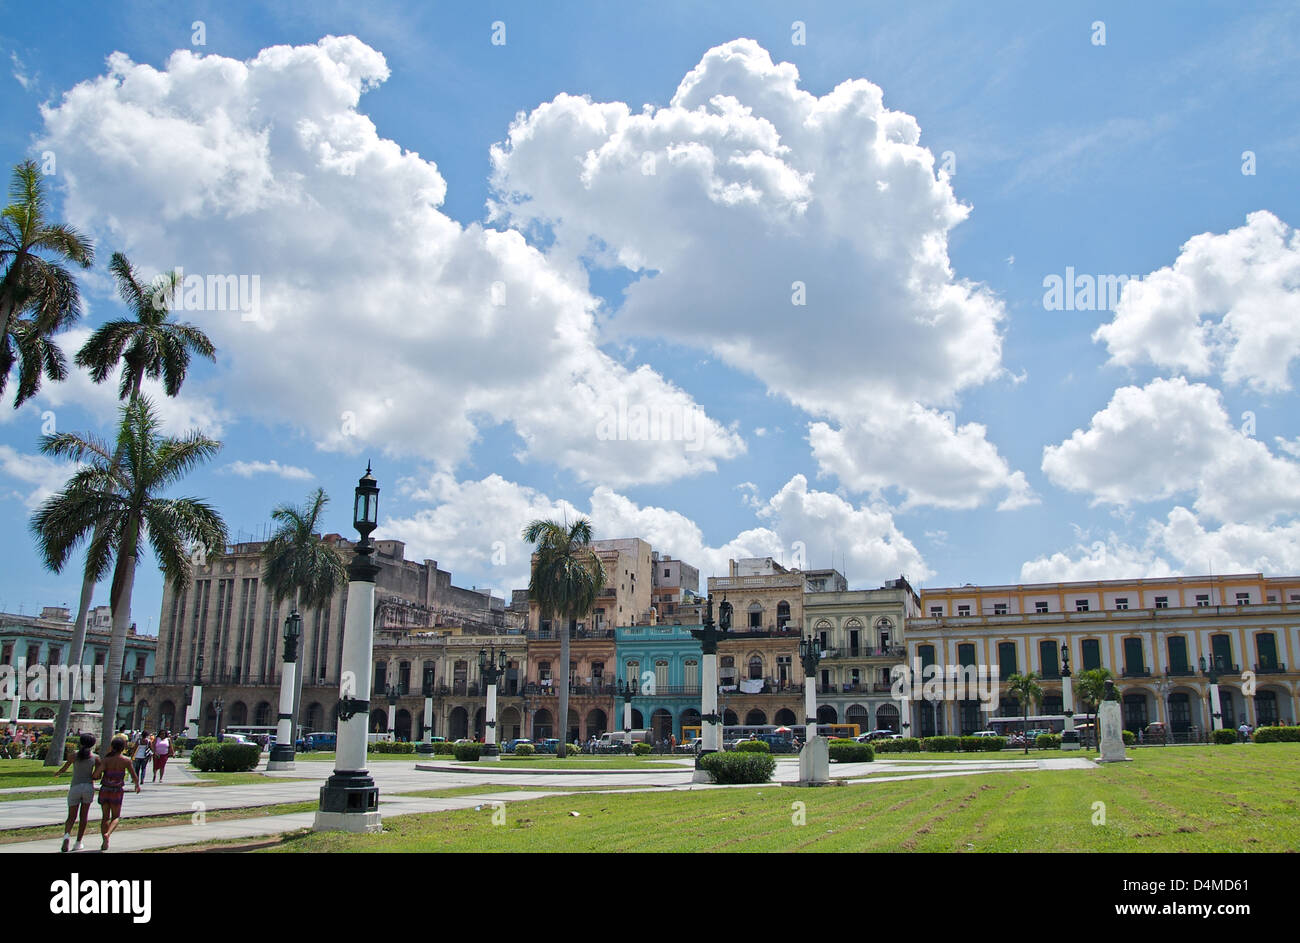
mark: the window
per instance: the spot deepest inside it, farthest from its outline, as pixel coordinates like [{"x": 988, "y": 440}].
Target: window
[
  {"x": 1177, "y": 647},
  {"x": 1121, "y": 602},
  {"x": 692, "y": 673},
  {"x": 1202, "y": 599},
  {"x": 661, "y": 674},
  {"x": 755, "y": 616},
  {"x": 938, "y": 610},
  {"x": 783, "y": 675},
  {"x": 1295, "y": 597},
  {"x": 33, "y": 655},
  {"x": 1081, "y": 605},
  {"x": 963, "y": 610},
  {"x": 1091, "y": 651},
  {"x": 1040, "y": 606},
  {"x": 1007, "y": 659},
  {"x": 999, "y": 609},
  {"x": 926, "y": 652},
  {"x": 667, "y": 571},
  {"x": 1243, "y": 599},
  {"x": 1221, "y": 647},
  {"x": 1266, "y": 651},
  {"x": 543, "y": 670},
  {"x": 1162, "y": 602},
  {"x": 966, "y": 655},
  {"x": 1134, "y": 664},
  {"x": 755, "y": 668},
  {"x": 1047, "y": 657},
  {"x": 381, "y": 676}
]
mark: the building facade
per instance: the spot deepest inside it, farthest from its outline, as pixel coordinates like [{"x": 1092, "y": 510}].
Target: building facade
[
  {"x": 663, "y": 663},
  {"x": 1155, "y": 637}
]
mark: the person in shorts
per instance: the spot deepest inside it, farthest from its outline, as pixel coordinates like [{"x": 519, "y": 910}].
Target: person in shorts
[
  {"x": 143, "y": 751},
  {"x": 81, "y": 790},
  {"x": 112, "y": 771}
]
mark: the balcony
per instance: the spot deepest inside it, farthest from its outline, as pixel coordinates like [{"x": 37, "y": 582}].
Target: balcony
[
  {"x": 1137, "y": 672},
  {"x": 1270, "y": 669},
  {"x": 1180, "y": 671}
]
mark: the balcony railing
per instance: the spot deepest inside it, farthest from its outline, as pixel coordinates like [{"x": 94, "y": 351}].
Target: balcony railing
[
  {"x": 1137, "y": 672},
  {"x": 1180, "y": 671},
  {"x": 1270, "y": 669},
  {"x": 580, "y": 633}
]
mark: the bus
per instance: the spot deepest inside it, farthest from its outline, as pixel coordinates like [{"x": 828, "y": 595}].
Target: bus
[
  {"x": 258, "y": 734},
  {"x": 731, "y": 733}
]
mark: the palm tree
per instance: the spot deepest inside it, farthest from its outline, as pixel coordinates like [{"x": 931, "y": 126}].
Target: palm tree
[
  {"x": 148, "y": 345},
  {"x": 296, "y": 562},
  {"x": 114, "y": 499},
  {"x": 566, "y": 578},
  {"x": 1025, "y": 688},
  {"x": 1092, "y": 691},
  {"x": 38, "y": 295}
]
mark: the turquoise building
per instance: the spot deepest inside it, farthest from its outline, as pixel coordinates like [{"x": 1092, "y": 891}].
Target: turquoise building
[
  {"x": 46, "y": 640},
  {"x": 664, "y": 662}
]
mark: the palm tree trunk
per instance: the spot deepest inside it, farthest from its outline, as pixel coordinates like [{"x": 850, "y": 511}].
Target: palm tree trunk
[
  {"x": 52, "y": 758},
  {"x": 123, "y": 586},
  {"x": 563, "y": 747}
]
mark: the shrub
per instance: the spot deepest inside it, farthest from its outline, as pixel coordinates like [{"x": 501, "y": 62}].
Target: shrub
[
  {"x": 975, "y": 744},
  {"x": 524, "y": 749},
  {"x": 850, "y": 751},
  {"x": 941, "y": 744},
  {"x": 1277, "y": 735},
  {"x": 1048, "y": 741},
  {"x": 992, "y": 744},
  {"x": 1130, "y": 738},
  {"x": 467, "y": 752},
  {"x": 905, "y": 745},
  {"x": 444, "y": 748},
  {"x": 390, "y": 746},
  {"x": 641, "y": 749},
  {"x": 1225, "y": 736},
  {"x": 739, "y": 767},
  {"x": 225, "y": 757},
  {"x": 753, "y": 746}
]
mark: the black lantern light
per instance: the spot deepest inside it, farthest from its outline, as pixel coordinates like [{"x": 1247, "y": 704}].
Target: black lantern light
[{"x": 365, "y": 509}]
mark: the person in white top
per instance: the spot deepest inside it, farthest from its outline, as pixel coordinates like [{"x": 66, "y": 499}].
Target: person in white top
[
  {"x": 162, "y": 749},
  {"x": 143, "y": 750}
]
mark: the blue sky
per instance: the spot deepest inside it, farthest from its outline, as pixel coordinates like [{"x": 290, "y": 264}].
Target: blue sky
[{"x": 356, "y": 177}]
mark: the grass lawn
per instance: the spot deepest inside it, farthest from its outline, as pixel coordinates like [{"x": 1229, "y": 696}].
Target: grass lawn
[
  {"x": 1236, "y": 798},
  {"x": 240, "y": 779},
  {"x": 151, "y": 821},
  {"x": 492, "y": 789},
  {"x": 14, "y": 774},
  {"x": 583, "y": 762}
]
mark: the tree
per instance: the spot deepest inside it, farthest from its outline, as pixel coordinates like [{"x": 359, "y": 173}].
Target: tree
[
  {"x": 297, "y": 562},
  {"x": 38, "y": 295},
  {"x": 146, "y": 344},
  {"x": 1092, "y": 691},
  {"x": 566, "y": 578},
  {"x": 1025, "y": 689},
  {"x": 115, "y": 500}
]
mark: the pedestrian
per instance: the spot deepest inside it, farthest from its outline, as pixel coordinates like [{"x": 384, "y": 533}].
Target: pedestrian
[
  {"x": 162, "y": 749},
  {"x": 112, "y": 771},
  {"x": 140, "y": 757},
  {"x": 81, "y": 790}
]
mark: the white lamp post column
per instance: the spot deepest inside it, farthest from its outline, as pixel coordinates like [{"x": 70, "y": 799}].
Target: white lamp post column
[
  {"x": 426, "y": 735},
  {"x": 349, "y": 800},
  {"x": 491, "y": 666},
  {"x": 709, "y": 636},
  {"x": 20, "y": 679},
  {"x": 1069, "y": 736},
  {"x": 283, "y": 752},
  {"x": 196, "y": 702},
  {"x": 1216, "y": 707}
]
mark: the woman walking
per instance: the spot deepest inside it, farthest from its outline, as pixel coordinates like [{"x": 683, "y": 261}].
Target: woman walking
[
  {"x": 162, "y": 749},
  {"x": 112, "y": 771},
  {"x": 82, "y": 789},
  {"x": 143, "y": 750}
]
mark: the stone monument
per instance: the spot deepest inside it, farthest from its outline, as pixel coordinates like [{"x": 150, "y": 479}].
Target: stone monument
[{"x": 1112, "y": 727}]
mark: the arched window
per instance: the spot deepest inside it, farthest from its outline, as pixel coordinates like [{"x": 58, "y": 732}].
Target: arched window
[
  {"x": 755, "y": 615},
  {"x": 692, "y": 672},
  {"x": 755, "y": 668},
  {"x": 782, "y": 614}
]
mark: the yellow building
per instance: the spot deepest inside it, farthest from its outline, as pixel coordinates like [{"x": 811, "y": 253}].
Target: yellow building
[{"x": 1154, "y": 636}]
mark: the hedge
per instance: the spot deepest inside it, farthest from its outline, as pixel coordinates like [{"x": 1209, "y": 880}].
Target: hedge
[
  {"x": 444, "y": 748},
  {"x": 905, "y": 745},
  {"x": 390, "y": 746},
  {"x": 1130, "y": 738},
  {"x": 42, "y": 747},
  {"x": 524, "y": 749},
  {"x": 850, "y": 751},
  {"x": 753, "y": 746},
  {"x": 225, "y": 757},
  {"x": 1277, "y": 735},
  {"x": 467, "y": 751},
  {"x": 1225, "y": 736},
  {"x": 1048, "y": 741},
  {"x": 739, "y": 767},
  {"x": 641, "y": 749},
  {"x": 941, "y": 744}
]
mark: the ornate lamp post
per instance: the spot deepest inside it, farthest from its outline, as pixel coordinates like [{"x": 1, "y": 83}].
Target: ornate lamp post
[
  {"x": 391, "y": 694},
  {"x": 810, "y": 655},
  {"x": 709, "y": 636},
  {"x": 349, "y": 800},
  {"x": 1069, "y": 736},
  {"x": 218, "y": 703},
  {"x": 196, "y": 702},
  {"x": 1164, "y": 687},
  {"x": 491, "y": 666},
  {"x": 427, "y": 690},
  {"x": 282, "y": 753},
  {"x": 1211, "y": 672},
  {"x": 627, "y": 692}
]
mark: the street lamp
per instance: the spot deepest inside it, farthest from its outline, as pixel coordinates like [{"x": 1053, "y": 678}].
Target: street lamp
[
  {"x": 709, "y": 635},
  {"x": 627, "y": 692},
  {"x": 283, "y": 752},
  {"x": 810, "y": 655},
  {"x": 1069, "y": 736},
  {"x": 196, "y": 701},
  {"x": 1211, "y": 673},
  {"x": 217, "y": 704},
  {"x": 491, "y": 666},
  {"x": 349, "y": 800},
  {"x": 427, "y": 690},
  {"x": 392, "y": 695}
]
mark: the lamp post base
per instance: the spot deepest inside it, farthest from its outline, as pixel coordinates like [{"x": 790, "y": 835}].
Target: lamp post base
[
  {"x": 349, "y": 802},
  {"x": 281, "y": 757},
  {"x": 362, "y": 822}
]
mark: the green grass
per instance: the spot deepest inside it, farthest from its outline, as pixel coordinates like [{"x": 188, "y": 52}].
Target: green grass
[
  {"x": 21, "y": 796},
  {"x": 492, "y": 789},
  {"x": 1209, "y": 799},
  {"x": 129, "y": 823},
  {"x": 14, "y": 774},
  {"x": 585, "y": 762},
  {"x": 240, "y": 779}
]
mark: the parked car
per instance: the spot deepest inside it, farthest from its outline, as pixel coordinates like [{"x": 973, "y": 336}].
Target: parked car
[
  {"x": 549, "y": 745},
  {"x": 322, "y": 740},
  {"x": 986, "y": 733},
  {"x": 882, "y": 735},
  {"x": 511, "y": 744},
  {"x": 1155, "y": 733},
  {"x": 234, "y": 738}
]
